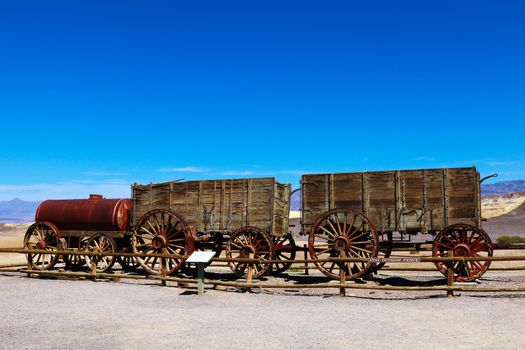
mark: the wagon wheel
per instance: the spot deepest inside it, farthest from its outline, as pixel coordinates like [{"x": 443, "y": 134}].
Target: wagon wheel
[
  {"x": 157, "y": 230},
  {"x": 284, "y": 250},
  {"x": 249, "y": 240},
  {"x": 76, "y": 261},
  {"x": 465, "y": 241},
  {"x": 42, "y": 236},
  {"x": 385, "y": 249},
  {"x": 101, "y": 243},
  {"x": 343, "y": 233}
]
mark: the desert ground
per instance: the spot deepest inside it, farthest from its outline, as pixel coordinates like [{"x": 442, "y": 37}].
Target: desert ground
[
  {"x": 63, "y": 314},
  {"x": 42, "y": 313}
]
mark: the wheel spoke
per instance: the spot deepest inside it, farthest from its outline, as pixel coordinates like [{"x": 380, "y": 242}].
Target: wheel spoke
[
  {"x": 444, "y": 245},
  {"x": 361, "y": 249},
  {"x": 159, "y": 228},
  {"x": 332, "y": 227},
  {"x": 325, "y": 230},
  {"x": 358, "y": 230},
  {"x": 356, "y": 237},
  {"x": 152, "y": 228}
]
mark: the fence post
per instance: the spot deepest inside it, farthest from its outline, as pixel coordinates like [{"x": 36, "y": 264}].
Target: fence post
[
  {"x": 200, "y": 276},
  {"x": 305, "y": 258},
  {"x": 342, "y": 279},
  {"x": 450, "y": 275},
  {"x": 93, "y": 268},
  {"x": 250, "y": 272},
  {"x": 29, "y": 264},
  {"x": 163, "y": 270}
]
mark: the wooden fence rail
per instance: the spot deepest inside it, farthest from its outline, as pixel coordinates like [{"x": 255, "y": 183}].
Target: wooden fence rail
[
  {"x": 342, "y": 285},
  {"x": 269, "y": 261}
]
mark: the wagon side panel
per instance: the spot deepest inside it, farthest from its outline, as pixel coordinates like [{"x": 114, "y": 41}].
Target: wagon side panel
[
  {"x": 347, "y": 191},
  {"x": 380, "y": 199},
  {"x": 434, "y": 199},
  {"x": 325, "y": 192},
  {"x": 281, "y": 209},
  {"x": 412, "y": 185},
  {"x": 315, "y": 199},
  {"x": 149, "y": 197},
  {"x": 261, "y": 203},
  {"x": 462, "y": 196},
  {"x": 211, "y": 205}
]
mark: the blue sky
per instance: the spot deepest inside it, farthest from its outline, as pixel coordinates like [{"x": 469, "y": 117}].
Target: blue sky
[{"x": 95, "y": 95}]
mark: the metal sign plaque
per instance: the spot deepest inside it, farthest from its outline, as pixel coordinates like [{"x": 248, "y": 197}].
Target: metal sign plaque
[
  {"x": 396, "y": 260},
  {"x": 200, "y": 257}
]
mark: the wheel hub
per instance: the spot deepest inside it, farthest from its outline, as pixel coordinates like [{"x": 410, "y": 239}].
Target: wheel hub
[
  {"x": 462, "y": 250},
  {"x": 246, "y": 251},
  {"x": 158, "y": 242},
  {"x": 341, "y": 244},
  {"x": 41, "y": 244}
]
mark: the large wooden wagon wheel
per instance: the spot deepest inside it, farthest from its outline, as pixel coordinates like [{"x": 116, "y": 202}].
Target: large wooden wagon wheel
[
  {"x": 158, "y": 230},
  {"x": 42, "y": 236},
  {"x": 101, "y": 243},
  {"x": 285, "y": 249},
  {"x": 465, "y": 241},
  {"x": 344, "y": 233},
  {"x": 246, "y": 241}
]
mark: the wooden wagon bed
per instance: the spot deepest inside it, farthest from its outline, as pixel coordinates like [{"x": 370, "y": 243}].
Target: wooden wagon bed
[
  {"x": 406, "y": 200},
  {"x": 219, "y": 205}
]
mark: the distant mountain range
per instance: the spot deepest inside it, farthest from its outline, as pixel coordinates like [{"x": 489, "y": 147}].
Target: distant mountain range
[
  {"x": 503, "y": 188},
  {"x": 17, "y": 211},
  {"x": 20, "y": 211}
]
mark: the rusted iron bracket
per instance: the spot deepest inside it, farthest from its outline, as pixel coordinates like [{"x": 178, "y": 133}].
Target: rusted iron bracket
[{"x": 488, "y": 177}]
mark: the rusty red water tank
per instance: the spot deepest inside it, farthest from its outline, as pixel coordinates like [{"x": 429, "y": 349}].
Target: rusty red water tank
[{"x": 94, "y": 214}]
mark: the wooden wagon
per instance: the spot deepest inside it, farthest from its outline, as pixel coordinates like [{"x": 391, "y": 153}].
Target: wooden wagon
[
  {"x": 365, "y": 214},
  {"x": 251, "y": 215},
  {"x": 361, "y": 215}
]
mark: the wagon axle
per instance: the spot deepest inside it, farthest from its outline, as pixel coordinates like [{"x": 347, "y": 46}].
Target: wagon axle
[
  {"x": 246, "y": 251},
  {"x": 159, "y": 242},
  {"x": 462, "y": 250},
  {"x": 341, "y": 244}
]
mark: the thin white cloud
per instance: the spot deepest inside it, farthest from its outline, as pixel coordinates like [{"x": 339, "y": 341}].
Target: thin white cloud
[
  {"x": 514, "y": 174},
  {"x": 466, "y": 163},
  {"x": 264, "y": 173},
  {"x": 186, "y": 169},
  {"x": 503, "y": 163},
  {"x": 65, "y": 190},
  {"x": 103, "y": 173},
  {"x": 425, "y": 159},
  {"x": 291, "y": 172},
  {"x": 238, "y": 173}
]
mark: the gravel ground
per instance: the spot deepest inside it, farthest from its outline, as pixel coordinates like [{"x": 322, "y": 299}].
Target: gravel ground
[{"x": 72, "y": 314}]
